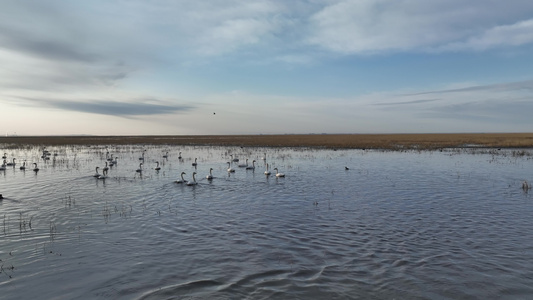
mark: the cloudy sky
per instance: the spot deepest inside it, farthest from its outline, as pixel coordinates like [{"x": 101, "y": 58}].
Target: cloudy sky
[{"x": 136, "y": 67}]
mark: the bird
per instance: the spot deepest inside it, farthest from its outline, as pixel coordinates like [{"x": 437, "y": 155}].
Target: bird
[
  {"x": 267, "y": 172},
  {"x": 264, "y": 157},
  {"x": 142, "y": 156},
  {"x": 106, "y": 167},
  {"x": 5, "y": 156},
  {"x": 181, "y": 180},
  {"x": 346, "y": 168},
  {"x": 3, "y": 166},
  {"x": 193, "y": 182},
  {"x": 230, "y": 169},
  {"x": 11, "y": 164},
  {"x": 23, "y": 167},
  {"x": 166, "y": 155},
  {"x": 97, "y": 174},
  {"x": 252, "y": 167},
  {"x": 195, "y": 163},
  {"x": 104, "y": 175},
  {"x": 526, "y": 186},
  {"x": 157, "y": 168},
  {"x": 140, "y": 169},
  {"x": 278, "y": 174},
  {"x": 244, "y": 165},
  {"x": 210, "y": 175},
  {"x": 35, "y": 168},
  {"x": 179, "y": 155},
  {"x": 234, "y": 159}
]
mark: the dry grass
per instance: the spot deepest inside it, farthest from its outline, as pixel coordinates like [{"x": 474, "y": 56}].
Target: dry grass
[{"x": 353, "y": 141}]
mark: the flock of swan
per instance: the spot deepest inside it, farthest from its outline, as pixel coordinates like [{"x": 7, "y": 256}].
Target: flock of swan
[{"x": 110, "y": 161}]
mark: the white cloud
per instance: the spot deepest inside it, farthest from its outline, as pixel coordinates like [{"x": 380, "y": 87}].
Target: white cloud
[{"x": 370, "y": 26}]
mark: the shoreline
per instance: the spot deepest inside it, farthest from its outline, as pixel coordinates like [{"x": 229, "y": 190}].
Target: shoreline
[{"x": 327, "y": 141}]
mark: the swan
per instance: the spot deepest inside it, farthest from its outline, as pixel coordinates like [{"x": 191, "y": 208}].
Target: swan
[
  {"x": 252, "y": 167},
  {"x": 11, "y": 164},
  {"x": 23, "y": 167},
  {"x": 104, "y": 175},
  {"x": 234, "y": 159},
  {"x": 106, "y": 167},
  {"x": 230, "y": 169},
  {"x": 107, "y": 156},
  {"x": 3, "y": 166},
  {"x": 140, "y": 169},
  {"x": 181, "y": 180},
  {"x": 114, "y": 162},
  {"x": 166, "y": 155},
  {"x": 526, "y": 186},
  {"x": 179, "y": 155},
  {"x": 157, "y": 168},
  {"x": 36, "y": 169},
  {"x": 5, "y": 156},
  {"x": 210, "y": 176},
  {"x": 97, "y": 174},
  {"x": 278, "y": 174},
  {"x": 264, "y": 157},
  {"x": 244, "y": 165},
  {"x": 267, "y": 172},
  {"x": 194, "y": 163},
  {"x": 193, "y": 182},
  {"x": 142, "y": 156}
]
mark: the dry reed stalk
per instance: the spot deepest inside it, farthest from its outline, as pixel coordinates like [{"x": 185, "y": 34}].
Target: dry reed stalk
[{"x": 331, "y": 141}]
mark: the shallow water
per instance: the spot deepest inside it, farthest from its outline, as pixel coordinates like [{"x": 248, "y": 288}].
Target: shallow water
[{"x": 397, "y": 225}]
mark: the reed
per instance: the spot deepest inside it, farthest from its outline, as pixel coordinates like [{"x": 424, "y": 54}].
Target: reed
[{"x": 332, "y": 141}]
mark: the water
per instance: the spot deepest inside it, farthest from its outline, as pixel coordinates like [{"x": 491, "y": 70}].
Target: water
[{"x": 397, "y": 225}]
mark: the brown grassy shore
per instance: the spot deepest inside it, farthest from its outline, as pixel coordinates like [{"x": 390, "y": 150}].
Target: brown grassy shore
[{"x": 332, "y": 141}]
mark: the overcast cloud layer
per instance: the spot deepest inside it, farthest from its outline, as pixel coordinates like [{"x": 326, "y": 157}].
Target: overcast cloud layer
[{"x": 308, "y": 66}]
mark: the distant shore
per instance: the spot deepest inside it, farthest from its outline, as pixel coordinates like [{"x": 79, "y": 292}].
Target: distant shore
[{"x": 330, "y": 141}]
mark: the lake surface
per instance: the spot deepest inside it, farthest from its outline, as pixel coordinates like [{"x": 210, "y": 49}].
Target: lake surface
[{"x": 454, "y": 224}]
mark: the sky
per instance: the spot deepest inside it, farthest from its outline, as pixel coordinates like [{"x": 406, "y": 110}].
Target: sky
[{"x": 161, "y": 67}]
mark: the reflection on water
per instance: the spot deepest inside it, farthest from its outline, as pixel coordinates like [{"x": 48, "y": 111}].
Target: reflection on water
[{"x": 404, "y": 225}]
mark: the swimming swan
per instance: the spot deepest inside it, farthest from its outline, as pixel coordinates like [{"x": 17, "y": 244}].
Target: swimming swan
[
  {"x": 182, "y": 180},
  {"x": 278, "y": 174},
  {"x": 193, "y": 182}
]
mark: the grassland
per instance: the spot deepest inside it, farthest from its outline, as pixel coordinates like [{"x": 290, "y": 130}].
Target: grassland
[{"x": 332, "y": 141}]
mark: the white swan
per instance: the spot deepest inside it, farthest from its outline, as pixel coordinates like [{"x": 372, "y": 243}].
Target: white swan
[
  {"x": 230, "y": 169},
  {"x": 210, "y": 175},
  {"x": 252, "y": 167},
  {"x": 157, "y": 168},
  {"x": 195, "y": 163},
  {"x": 526, "y": 186},
  {"x": 278, "y": 174},
  {"x": 97, "y": 174},
  {"x": 193, "y": 182},
  {"x": 36, "y": 169},
  {"x": 140, "y": 169},
  {"x": 244, "y": 165},
  {"x": 182, "y": 180},
  {"x": 267, "y": 172},
  {"x": 11, "y": 164}
]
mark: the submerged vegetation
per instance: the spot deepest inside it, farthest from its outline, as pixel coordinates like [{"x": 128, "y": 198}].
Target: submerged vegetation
[{"x": 331, "y": 141}]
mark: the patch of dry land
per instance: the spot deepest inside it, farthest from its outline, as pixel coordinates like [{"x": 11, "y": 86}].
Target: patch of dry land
[{"x": 331, "y": 141}]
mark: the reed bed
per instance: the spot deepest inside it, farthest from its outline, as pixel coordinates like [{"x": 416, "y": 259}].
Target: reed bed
[{"x": 331, "y": 141}]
